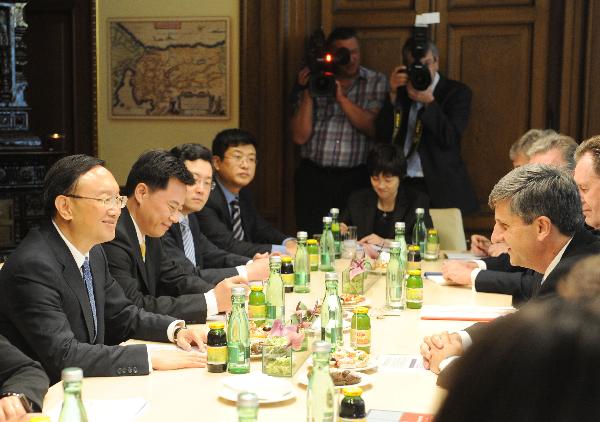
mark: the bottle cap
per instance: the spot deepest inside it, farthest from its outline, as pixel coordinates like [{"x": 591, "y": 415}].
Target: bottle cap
[
  {"x": 331, "y": 276},
  {"x": 327, "y": 219},
  {"x": 352, "y": 391},
  {"x": 414, "y": 272},
  {"x": 256, "y": 288},
  {"x": 321, "y": 346},
  {"x": 286, "y": 258},
  {"x": 275, "y": 259},
  {"x": 247, "y": 399},
  {"x": 311, "y": 241},
  {"x": 301, "y": 235},
  {"x": 361, "y": 310},
  {"x": 40, "y": 419},
  {"x": 414, "y": 248},
  {"x": 432, "y": 231},
  {"x": 216, "y": 325},
  {"x": 394, "y": 244},
  {"x": 334, "y": 211},
  {"x": 72, "y": 374},
  {"x": 400, "y": 225},
  {"x": 420, "y": 211},
  {"x": 238, "y": 291}
]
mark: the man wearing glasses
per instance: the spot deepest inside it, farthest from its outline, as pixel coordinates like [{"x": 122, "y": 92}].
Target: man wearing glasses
[
  {"x": 229, "y": 218},
  {"x": 207, "y": 260},
  {"x": 153, "y": 280},
  {"x": 60, "y": 305}
]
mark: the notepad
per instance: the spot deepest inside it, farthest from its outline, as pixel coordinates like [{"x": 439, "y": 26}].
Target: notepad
[
  {"x": 464, "y": 312},
  {"x": 465, "y": 256},
  {"x": 121, "y": 410},
  {"x": 394, "y": 363},
  {"x": 436, "y": 277}
]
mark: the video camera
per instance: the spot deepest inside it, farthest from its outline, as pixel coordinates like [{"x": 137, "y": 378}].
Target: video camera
[
  {"x": 323, "y": 65},
  {"x": 418, "y": 73}
]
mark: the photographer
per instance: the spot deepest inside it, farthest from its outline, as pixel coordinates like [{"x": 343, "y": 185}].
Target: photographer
[
  {"x": 428, "y": 123},
  {"x": 333, "y": 133}
]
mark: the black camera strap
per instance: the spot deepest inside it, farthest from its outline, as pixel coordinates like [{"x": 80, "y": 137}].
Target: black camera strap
[{"x": 416, "y": 138}]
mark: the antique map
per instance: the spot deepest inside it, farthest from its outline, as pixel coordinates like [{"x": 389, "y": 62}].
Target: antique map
[{"x": 169, "y": 68}]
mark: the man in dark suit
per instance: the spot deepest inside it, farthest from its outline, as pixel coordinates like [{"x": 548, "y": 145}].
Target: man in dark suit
[
  {"x": 538, "y": 215},
  {"x": 154, "y": 281},
  {"x": 229, "y": 218},
  {"x": 207, "y": 260},
  {"x": 428, "y": 125},
  {"x": 21, "y": 379},
  {"x": 59, "y": 303}
]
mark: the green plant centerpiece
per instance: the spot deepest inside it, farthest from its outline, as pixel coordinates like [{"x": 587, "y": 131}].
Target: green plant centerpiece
[{"x": 279, "y": 352}]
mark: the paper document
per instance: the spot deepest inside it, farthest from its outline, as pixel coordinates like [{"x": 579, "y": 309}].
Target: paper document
[
  {"x": 464, "y": 312},
  {"x": 465, "y": 256},
  {"x": 377, "y": 415},
  {"x": 108, "y": 410},
  {"x": 399, "y": 362}
]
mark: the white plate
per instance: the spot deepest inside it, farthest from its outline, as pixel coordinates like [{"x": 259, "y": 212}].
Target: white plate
[
  {"x": 371, "y": 364},
  {"x": 365, "y": 379},
  {"x": 267, "y": 389},
  {"x": 317, "y": 325},
  {"x": 365, "y": 302}
]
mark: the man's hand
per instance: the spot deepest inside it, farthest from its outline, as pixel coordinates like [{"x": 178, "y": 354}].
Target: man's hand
[
  {"x": 258, "y": 269},
  {"x": 372, "y": 239},
  {"x": 190, "y": 336},
  {"x": 424, "y": 97},
  {"x": 343, "y": 229},
  {"x": 438, "y": 347},
  {"x": 291, "y": 246},
  {"x": 458, "y": 272},
  {"x": 340, "y": 96},
  {"x": 480, "y": 245},
  {"x": 398, "y": 78},
  {"x": 498, "y": 249},
  {"x": 223, "y": 292},
  {"x": 304, "y": 77},
  {"x": 261, "y": 256},
  {"x": 10, "y": 409},
  {"x": 177, "y": 359}
]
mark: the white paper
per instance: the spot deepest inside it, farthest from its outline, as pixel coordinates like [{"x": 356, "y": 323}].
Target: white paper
[
  {"x": 108, "y": 410},
  {"x": 436, "y": 278},
  {"x": 464, "y": 256},
  {"x": 464, "y": 312},
  {"x": 399, "y": 362}
]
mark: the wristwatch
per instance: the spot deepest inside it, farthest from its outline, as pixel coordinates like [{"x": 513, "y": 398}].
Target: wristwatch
[
  {"x": 24, "y": 400},
  {"x": 177, "y": 330}
]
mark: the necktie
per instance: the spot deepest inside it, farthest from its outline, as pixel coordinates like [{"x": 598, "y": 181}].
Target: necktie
[
  {"x": 89, "y": 285},
  {"x": 236, "y": 220},
  {"x": 188, "y": 240},
  {"x": 143, "y": 250}
]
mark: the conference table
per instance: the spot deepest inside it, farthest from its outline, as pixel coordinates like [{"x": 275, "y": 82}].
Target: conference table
[{"x": 194, "y": 393}]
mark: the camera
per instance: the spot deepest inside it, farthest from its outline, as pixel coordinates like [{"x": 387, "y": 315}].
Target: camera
[
  {"x": 418, "y": 73},
  {"x": 323, "y": 65}
]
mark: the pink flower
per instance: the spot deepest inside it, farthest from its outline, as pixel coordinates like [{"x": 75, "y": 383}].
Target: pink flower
[{"x": 294, "y": 337}]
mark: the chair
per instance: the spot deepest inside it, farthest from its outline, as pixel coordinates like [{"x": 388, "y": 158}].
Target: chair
[{"x": 449, "y": 224}]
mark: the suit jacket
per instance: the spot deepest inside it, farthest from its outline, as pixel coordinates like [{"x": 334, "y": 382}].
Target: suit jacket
[
  {"x": 362, "y": 206},
  {"x": 20, "y": 374},
  {"x": 212, "y": 263},
  {"x": 215, "y": 222},
  {"x": 159, "y": 284},
  {"x": 45, "y": 311},
  {"x": 444, "y": 122}
]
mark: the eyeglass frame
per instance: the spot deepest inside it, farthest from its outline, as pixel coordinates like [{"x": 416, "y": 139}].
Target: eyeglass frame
[
  {"x": 107, "y": 202},
  {"x": 212, "y": 185},
  {"x": 239, "y": 159}
]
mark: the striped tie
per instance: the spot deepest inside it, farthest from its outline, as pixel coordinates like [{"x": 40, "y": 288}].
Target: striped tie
[
  {"x": 188, "y": 240},
  {"x": 236, "y": 220},
  {"x": 89, "y": 285}
]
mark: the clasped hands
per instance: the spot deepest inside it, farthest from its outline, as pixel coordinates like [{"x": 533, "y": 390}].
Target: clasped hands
[
  {"x": 438, "y": 347},
  {"x": 185, "y": 356}
]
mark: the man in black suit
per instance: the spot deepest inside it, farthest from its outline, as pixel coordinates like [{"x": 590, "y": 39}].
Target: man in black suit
[
  {"x": 207, "y": 260},
  {"x": 229, "y": 218},
  {"x": 59, "y": 303},
  {"x": 21, "y": 379},
  {"x": 429, "y": 124},
  {"x": 538, "y": 215},
  {"x": 154, "y": 281}
]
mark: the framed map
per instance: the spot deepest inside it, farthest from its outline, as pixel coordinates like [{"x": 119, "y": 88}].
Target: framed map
[{"x": 169, "y": 68}]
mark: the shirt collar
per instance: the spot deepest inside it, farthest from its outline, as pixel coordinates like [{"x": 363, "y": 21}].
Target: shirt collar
[
  {"x": 555, "y": 261},
  {"x": 77, "y": 256},
  {"x": 229, "y": 196},
  {"x": 141, "y": 237},
  {"x": 185, "y": 220},
  {"x": 436, "y": 79}
]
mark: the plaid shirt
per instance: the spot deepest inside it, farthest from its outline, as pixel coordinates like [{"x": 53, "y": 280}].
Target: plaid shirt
[{"x": 334, "y": 141}]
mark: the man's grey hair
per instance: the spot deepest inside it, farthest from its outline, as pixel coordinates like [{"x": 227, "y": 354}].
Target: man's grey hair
[
  {"x": 564, "y": 143},
  {"x": 521, "y": 145},
  {"x": 536, "y": 190}
]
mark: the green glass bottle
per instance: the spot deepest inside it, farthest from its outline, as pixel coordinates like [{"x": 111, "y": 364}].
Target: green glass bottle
[
  {"x": 327, "y": 249},
  {"x": 335, "y": 231},
  {"x": 238, "y": 334},
  {"x": 247, "y": 407},
  {"x": 72, "y": 408},
  {"x": 274, "y": 292},
  {"x": 394, "y": 279},
  {"x": 399, "y": 236},
  {"x": 414, "y": 290},
  {"x": 301, "y": 265},
  {"x": 320, "y": 396},
  {"x": 332, "y": 313},
  {"x": 419, "y": 234}
]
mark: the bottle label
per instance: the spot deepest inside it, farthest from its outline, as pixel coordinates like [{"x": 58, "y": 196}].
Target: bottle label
[
  {"x": 257, "y": 312},
  {"x": 360, "y": 338},
  {"x": 414, "y": 295},
  {"x": 288, "y": 279},
  {"x": 216, "y": 355},
  {"x": 314, "y": 261}
]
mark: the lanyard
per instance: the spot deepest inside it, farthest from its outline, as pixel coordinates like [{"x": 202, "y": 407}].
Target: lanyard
[{"x": 416, "y": 139}]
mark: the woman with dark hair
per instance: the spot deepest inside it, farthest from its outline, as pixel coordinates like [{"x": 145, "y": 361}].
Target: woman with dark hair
[
  {"x": 375, "y": 210},
  {"x": 539, "y": 364}
]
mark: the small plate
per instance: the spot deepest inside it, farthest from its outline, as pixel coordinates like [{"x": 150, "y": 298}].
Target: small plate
[
  {"x": 371, "y": 364},
  {"x": 365, "y": 302},
  {"x": 231, "y": 395},
  {"x": 365, "y": 379},
  {"x": 267, "y": 389}
]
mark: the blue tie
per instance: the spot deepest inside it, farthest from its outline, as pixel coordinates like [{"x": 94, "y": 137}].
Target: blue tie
[
  {"x": 188, "y": 240},
  {"x": 89, "y": 285}
]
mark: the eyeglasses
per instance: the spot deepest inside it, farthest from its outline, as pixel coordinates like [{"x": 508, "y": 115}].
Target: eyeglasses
[
  {"x": 207, "y": 183},
  {"x": 239, "y": 158},
  {"x": 174, "y": 210},
  {"x": 110, "y": 202}
]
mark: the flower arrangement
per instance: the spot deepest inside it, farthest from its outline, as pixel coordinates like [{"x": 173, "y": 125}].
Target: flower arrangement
[{"x": 278, "y": 346}]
